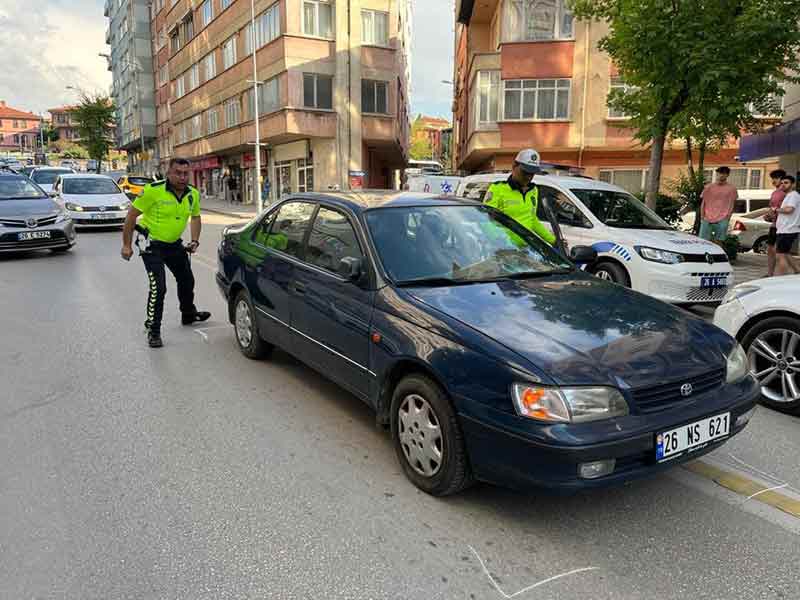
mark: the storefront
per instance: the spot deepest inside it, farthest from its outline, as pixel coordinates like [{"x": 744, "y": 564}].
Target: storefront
[{"x": 207, "y": 176}]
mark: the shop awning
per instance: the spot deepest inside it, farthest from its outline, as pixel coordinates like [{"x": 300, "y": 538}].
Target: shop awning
[{"x": 781, "y": 139}]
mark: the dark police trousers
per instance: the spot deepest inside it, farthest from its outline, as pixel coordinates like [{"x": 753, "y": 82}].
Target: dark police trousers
[{"x": 175, "y": 257}]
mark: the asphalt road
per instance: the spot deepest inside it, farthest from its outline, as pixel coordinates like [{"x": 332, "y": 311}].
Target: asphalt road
[{"x": 193, "y": 473}]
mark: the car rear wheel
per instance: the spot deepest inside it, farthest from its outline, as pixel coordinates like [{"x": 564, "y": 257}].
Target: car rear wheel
[
  {"x": 250, "y": 341},
  {"x": 428, "y": 438},
  {"x": 760, "y": 245},
  {"x": 612, "y": 272},
  {"x": 773, "y": 351}
]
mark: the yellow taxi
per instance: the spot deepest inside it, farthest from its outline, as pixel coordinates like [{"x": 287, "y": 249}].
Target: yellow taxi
[{"x": 134, "y": 184}]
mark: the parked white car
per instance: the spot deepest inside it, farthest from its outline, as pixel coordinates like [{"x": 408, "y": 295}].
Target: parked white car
[
  {"x": 442, "y": 185},
  {"x": 764, "y": 315},
  {"x": 749, "y": 201},
  {"x": 92, "y": 200},
  {"x": 45, "y": 177},
  {"x": 752, "y": 230},
  {"x": 636, "y": 248}
]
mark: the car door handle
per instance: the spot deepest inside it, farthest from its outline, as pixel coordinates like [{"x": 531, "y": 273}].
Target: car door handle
[{"x": 299, "y": 288}]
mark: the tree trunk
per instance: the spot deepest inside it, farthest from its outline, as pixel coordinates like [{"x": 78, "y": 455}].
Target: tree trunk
[
  {"x": 656, "y": 158},
  {"x": 689, "y": 158}
]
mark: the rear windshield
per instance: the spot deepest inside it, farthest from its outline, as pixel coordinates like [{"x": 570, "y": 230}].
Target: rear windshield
[
  {"x": 14, "y": 188},
  {"x": 49, "y": 177},
  {"x": 90, "y": 185},
  {"x": 139, "y": 180}
]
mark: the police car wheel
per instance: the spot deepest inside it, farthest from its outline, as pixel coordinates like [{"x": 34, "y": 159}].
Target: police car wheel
[
  {"x": 612, "y": 272},
  {"x": 249, "y": 339}
]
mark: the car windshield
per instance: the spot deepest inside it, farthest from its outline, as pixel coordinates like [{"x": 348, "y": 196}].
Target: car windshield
[
  {"x": 139, "y": 180},
  {"x": 619, "y": 209},
  {"x": 15, "y": 188},
  {"x": 48, "y": 177},
  {"x": 90, "y": 185},
  {"x": 456, "y": 245}
]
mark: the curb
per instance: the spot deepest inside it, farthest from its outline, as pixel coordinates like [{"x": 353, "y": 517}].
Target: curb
[{"x": 228, "y": 213}]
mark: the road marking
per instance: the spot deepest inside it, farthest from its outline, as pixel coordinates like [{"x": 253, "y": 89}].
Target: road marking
[
  {"x": 530, "y": 587},
  {"x": 747, "y": 487},
  {"x": 203, "y": 334}
]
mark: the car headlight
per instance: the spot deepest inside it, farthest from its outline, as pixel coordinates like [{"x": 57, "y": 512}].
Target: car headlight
[
  {"x": 740, "y": 291},
  {"x": 73, "y": 207},
  {"x": 656, "y": 255},
  {"x": 125, "y": 205},
  {"x": 567, "y": 405},
  {"x": 738, "y": 366}
]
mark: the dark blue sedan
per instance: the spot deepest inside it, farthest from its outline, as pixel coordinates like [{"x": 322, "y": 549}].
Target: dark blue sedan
[{"x": 487, "y": 354}]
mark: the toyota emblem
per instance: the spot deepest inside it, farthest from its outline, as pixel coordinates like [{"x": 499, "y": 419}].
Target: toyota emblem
[
  {"x": 32, "y": 223},
  {"x": 709, "y": 258},
  {"x": 101, "y": 208},
  {"x": 686, "y": 390}
]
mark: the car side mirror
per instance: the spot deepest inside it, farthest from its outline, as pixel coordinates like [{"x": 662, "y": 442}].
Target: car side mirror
[
  {"x": 351, "y": 268},
  {"x": 582, "y": 255}
]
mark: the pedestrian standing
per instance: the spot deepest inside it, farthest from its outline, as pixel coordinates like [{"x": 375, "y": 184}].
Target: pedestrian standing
[
  {"x": 775, "y": 201},
  {"x": 716, "y": 209},
  {"x": 165, "y": 208},
  {"x": 787, "y": 223}
]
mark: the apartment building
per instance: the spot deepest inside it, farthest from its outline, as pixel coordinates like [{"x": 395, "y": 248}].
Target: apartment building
[
  {"x": 133, "y": 89},
  {"x": 527, "y": 74},
  {"x": 332, "y": 100},
  {"x": 62, "y": 123},
  {"x": 19, "y": 129}
]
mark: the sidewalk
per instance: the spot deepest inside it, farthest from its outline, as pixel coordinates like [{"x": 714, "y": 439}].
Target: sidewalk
[
  {"x": 238, "y": 211},
  {"x": 749, "y": 266}
]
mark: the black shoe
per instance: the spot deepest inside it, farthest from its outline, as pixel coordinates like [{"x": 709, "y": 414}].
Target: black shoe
[
  {"x": 154, "y": 339},
  {"x": 197, "y": 317}
]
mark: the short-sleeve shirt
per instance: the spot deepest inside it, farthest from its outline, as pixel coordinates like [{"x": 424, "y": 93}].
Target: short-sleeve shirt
[
  {"x": 790, "y": 223},
  {"x": 165, "y": 214},
  {"x": 718, "y": 201}
]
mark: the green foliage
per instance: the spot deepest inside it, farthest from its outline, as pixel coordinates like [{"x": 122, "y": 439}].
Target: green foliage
[
  {"x": 731, "y": 246},
  {"x": 687, "y": 190},
  {"x": 666, "y": 208},
  {"x": 68, "y": 149},
  {"x": 94, "y": 119},
  {"x": 421, "y": 148}
]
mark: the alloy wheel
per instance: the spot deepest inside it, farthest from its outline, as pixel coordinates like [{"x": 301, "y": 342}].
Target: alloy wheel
[
  {"x": 244, "y": 324},
  {"x": 420, "y": 435},
  {"x": 775, "y": 361},
  {"x": 604, "y": 275}
]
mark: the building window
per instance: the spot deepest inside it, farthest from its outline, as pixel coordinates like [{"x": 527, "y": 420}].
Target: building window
[
  {"x": 269, "y": 99},
  {"x": 226, "y": 4},
  {"x": 229, "y": 52},
  {"x": 540, "y": 99},
  {"x": 374, "y": 96},
  {"x": 317, "y": 90},
  {"x": 174, "y": 41},
  {"x": 618, "y": 84},
  {"x": 488, "y": 109},
  {"x": 746, "y": 179},
  {"x": 630, "y": 180},
  {"x": 210, "y": 66},
  {"x": 206, "y": 13},
  {"x": 196, "y": 127},
  {"x": 268, "y": 28},
  {"x": 533, "y": 20},
  {"x": 188, "y": 28},
  {"x": 194, "y": 76},
  {"x": 232, "y": 110},
  {"x": 179, "y": 89},
  {"x": 212, "y": 120},
  {"x": 375, "y": 27},
  {"x": 163, "y": 75},
  {"x": 162, "y": 38},
  {"x": 318, "y": 18},
  {"x": 305, "y": 175}
]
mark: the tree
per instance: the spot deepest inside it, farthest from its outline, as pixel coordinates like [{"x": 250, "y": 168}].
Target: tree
[
  {"x": 68, "y": 149},
  {"x": 421, "y": 147},
  {"x": 94, "y": 120},
  {"x": 695, "y": 66}
]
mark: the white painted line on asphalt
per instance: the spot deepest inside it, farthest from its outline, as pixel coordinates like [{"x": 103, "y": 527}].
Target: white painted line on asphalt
[
  {"x": 752, "y": 468},
  {"x": 213, "y": 327},
  {"x": 530, "y": 587},
  {"x": 203, "y": 334},
  {"x": 777, "y": 487}
]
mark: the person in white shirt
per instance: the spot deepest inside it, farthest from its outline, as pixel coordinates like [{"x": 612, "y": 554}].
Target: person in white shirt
[{"x": 787, "y": 223}]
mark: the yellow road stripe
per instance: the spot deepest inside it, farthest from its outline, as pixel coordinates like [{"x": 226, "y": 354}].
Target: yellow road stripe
[{"x": 745, "y": 487}]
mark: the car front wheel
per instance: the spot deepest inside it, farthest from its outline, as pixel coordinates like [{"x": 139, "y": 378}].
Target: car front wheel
[
  {"x": 773, "y": 351},
  {"x": 760, "y": 245},
  {"x": 427, "y": 437},
  {"x": 250, "y": 341},
  {"x": 612, "y": 272}
]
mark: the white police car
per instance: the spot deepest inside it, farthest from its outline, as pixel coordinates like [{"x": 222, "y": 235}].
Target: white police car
[{"x": 635, "y": 247}]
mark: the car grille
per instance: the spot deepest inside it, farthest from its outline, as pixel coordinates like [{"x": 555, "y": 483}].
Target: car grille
[
  {"x": 697, "y": 294},
  {"x": 98, "y": 222},
  {"x": 101, "y": 208},
  {"x": 661, "y": 397},
  {"x": 40, "y": 221},
  {"x": 701, "y": 258}
]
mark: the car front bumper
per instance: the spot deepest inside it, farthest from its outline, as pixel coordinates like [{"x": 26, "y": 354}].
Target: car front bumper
[
  {"x": 682, "y": 283},
  {"x": 502, "y": 452},
  {"x": 114, "y": 218},
  {"x": 62, "y": 235},
  {"x": 730, "y": 317}
]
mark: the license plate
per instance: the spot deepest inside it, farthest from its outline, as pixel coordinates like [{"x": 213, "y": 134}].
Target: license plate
[
  {"x": 34, "y": 235},
  {"x": 714, "y": 282},
  {"x": 693, "y": 436},
  {"x": 102, "y": 216}
]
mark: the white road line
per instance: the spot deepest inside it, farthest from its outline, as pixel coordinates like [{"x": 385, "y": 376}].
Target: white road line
[
  {"x": 202, "y": 333},
  {"x": 741, "y": 462},
  {"x": 777, "y": 487},
  {"x": 530, "y": 587},
  {"x": 213, "y": 327}
]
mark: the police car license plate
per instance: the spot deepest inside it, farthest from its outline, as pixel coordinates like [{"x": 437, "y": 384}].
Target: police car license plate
[
  {"x": 34, "y": 235},
  {"x": 714, "y": 282},
  {"x": 693, "y": 436}
]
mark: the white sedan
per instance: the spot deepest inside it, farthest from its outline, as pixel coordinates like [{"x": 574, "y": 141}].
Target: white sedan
[
  {"x": 92, "y": 200},
  {"x": 764, "y": 315}
]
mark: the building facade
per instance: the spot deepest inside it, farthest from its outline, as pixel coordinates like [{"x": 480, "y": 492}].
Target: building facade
[
  {"x": 333, "y": 96},
  {"x": 19, "y": 129},
  {"x": 433, "y": 130},
  {"x": 62, "y": 123},
  {"x": 131, "y": 64},
  {"x": 527, "y": 74}
]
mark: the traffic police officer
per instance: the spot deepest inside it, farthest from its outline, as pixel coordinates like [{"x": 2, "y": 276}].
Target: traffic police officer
[
  {"x": 166, "y": 207},
  {"x": 518, "y": 197}
]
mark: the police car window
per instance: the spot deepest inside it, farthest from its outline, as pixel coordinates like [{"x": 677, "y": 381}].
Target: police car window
[
  {"x": 332, "y": 238},
  {"x": 476, "y": 191},
  {"x": 289, "y": 228},
  {"x": 566, "y": 212}
]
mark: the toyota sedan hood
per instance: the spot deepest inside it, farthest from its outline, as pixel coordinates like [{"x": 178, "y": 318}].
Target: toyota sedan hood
[
  {"x": 15, "y": 209},
  {"x": 580, "y": 330}
]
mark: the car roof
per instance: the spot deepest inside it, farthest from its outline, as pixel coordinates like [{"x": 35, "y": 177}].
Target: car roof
[
  {"x": 60, "y": 169},
  {"x": 582, "y": 183},
  {"x": 375, "y": 199},
  {"x": 85, "y": 176}
]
